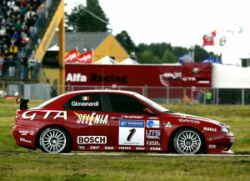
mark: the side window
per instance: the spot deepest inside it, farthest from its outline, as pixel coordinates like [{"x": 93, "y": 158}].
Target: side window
[
  {"x": 84, "y": 102},
  {"x": 125, "y": 104}
]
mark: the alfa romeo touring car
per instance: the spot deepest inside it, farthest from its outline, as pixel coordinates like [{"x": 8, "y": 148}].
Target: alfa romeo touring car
[{"x": 111, "y": 120}]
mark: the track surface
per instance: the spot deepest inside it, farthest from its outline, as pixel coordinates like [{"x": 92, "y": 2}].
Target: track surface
[{"x": 152, "y": 154}]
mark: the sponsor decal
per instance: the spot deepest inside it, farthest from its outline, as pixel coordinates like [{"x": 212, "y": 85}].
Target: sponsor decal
[
  {"x": 153, "y": 134},
  {"x": 31, "y": 115},
  {"x": 124, "y": 148},
  {"x": 26, "y": 132},
  {"x": 155, "y": 148},
  {"x": 131, "y": 132},
  {"x": 168, "y": 125},
  {"x": 25, "y": 140},
  {"x": 185, "y": 79},
  {"x": 85, "y": 104},
  {"x": 109, "y": 148},
  {"x": 76, "y": 77},
  {"x": 212, "y": 146},
  {"x": 131, "y": 117},
  {"x": 153, "y": 143},
  {"x": 209, "y": 129},
  {"x": 132, "y": 123},
  {"x": 189, "y": 121},
  {"x": 94, "y": 147},
  {"x": 92, "y": 119},
  {"x": 155, "y": 118},
  {"x": 153, "y": 124},
  {"x": 140, "y": 148},
  {"x": 85, "y": 98},
  {"x": 173, "y": 76},
  {"x": 81, "y": 147},
  {"x": 85, "y": 140}
]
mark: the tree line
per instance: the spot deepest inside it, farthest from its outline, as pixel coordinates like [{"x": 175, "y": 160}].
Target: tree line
[{"x": 91, "y": 18}]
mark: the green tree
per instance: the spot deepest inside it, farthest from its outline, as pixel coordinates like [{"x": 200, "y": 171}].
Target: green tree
[
  {"x": 88, "y": 19},
  {"x": 126, "y": 41},
  {"x": 148, "y": 57},
  {"x": 200, "y": 54},
  {"x": 179, "y": 51},
  {"x": 157, "y": 49},
  {"x": 168, "y": 57}
]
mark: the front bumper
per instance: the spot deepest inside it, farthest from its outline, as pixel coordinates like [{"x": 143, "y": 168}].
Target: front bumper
[{"x": 220, "y": 144}]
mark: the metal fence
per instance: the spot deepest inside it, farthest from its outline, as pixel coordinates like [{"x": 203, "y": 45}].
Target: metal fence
[
  {"x": 164, "y": 95},
  {"x": 187, "y": 95}
]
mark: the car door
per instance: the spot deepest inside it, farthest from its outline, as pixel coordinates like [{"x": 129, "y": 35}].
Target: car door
[
  {"x": 131, "y": 123},
  {"x": 87, "y": 121}
]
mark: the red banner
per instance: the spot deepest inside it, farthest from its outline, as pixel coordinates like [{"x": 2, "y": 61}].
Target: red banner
[
  {"x": 86, "y": 57},
  {"x": 187, "y": 75},
  {"x": 72, "y": 56}
]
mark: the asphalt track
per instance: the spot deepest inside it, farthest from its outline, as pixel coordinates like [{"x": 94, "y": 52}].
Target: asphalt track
[{"x": 152, "y": 154}]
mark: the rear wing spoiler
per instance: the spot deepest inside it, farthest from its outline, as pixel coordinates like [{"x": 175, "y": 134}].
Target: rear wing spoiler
[{"x": 23, "y": 103}]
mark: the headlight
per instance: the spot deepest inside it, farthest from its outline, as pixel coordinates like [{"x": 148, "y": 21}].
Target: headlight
[{"x": 225, "y": 130}]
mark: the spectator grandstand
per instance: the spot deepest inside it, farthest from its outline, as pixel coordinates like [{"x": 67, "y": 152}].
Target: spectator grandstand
[{"x": 22, "y": 25}]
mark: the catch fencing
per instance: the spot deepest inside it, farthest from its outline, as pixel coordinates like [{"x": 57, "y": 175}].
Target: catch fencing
[{"x": 163, "y": 95}]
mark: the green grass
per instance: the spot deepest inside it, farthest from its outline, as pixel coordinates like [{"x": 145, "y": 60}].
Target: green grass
[
  {"x": 17, "y": 163},
  {"x": 40, "y": 166}
]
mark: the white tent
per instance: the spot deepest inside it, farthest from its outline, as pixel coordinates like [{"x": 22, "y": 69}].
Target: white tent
[
  {"x": 105, "y": 60},
  {"x": 230, "y": 76},
  {"x": 129, "y": 61},
  {"x": 54, "y": 48}
]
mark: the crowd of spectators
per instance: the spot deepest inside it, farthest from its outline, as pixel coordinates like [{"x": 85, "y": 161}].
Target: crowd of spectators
[{"x": 17, "y": 20}]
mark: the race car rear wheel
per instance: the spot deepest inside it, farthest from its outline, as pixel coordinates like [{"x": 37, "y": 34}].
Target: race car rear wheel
[
  {"x": 187, "y": 141},
  {"x": 54, "y": 140}
]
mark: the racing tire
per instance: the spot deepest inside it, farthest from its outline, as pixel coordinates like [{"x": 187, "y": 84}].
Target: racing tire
[
  {"x": 188, "y": 141},
  {"x": 54, "y": 140}
]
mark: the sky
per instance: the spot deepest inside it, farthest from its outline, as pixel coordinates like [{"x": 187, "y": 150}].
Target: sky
[{"x": 181, "y": 23}]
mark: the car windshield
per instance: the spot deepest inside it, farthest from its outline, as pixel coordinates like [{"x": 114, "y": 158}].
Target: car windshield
[{"x": 152, "y": 103}]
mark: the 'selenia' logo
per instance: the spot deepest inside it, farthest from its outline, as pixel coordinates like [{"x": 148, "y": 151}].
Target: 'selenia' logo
[{"x": 92, "y": 119}]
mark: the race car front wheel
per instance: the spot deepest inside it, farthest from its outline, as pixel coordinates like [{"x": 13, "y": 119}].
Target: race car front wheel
[
  {"x": 187, "y": 141},
  {"x": 54, "y": 140}
]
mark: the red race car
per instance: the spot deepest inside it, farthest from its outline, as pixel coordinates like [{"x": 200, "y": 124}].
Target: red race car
[{"x": 109, "y": 120}]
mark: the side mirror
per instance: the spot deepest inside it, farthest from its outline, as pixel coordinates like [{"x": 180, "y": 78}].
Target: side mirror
[{"x": 148, "y": 111}]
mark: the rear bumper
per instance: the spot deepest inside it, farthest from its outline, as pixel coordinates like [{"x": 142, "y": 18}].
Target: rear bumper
[{"x": 25, "y": 136}]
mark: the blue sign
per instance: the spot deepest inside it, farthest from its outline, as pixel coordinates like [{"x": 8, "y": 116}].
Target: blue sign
[{"x": 132, "y": 123}]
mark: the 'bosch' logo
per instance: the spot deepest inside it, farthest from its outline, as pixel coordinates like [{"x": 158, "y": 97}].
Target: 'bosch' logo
[{"x": 92, "y": 139}]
